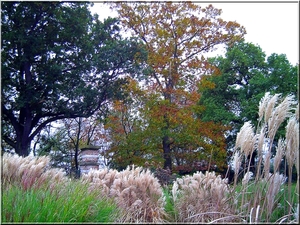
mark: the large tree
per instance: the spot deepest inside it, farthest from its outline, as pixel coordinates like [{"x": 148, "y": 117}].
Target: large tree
[
  {"x": 57, "y": 61},
  {"x": 176, "y": 35},
  {"x": 241, "y": 79}
]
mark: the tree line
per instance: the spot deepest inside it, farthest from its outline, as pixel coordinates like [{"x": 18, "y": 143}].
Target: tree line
[{"x": 153, "y": 99}]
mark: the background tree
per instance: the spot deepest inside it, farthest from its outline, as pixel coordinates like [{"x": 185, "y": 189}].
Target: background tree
[
  {"x": 176, "y": 35},
  {"x": 63, "y": 143},
  {"x": 241, "y": 79},
  {"x": 57, "y": 62},
  {"x": 53, "y": 141},
  {"x": 127, "y": 130}
]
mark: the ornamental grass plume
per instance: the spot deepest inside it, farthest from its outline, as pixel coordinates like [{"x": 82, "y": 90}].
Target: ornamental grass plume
[
  {"x": 270, "y": 102},
  {"x": 275, "y": 112},
  {"x": 246, "y": 142},
  {"x": 138, "y": 192},
  {"x": 262, "y": 195},
  {"x": 29, "y": 172},
  {"x": 16, "y": 168},
  {"x": 292, "y": 141},
  {"x": 245, "y": 139},
  {"x": 202, "y": 198},
  {"x": 237, "y": 164},
  {"x": 279, "y": 114},
  {"x": 292, "y": 152},
  {"x": 100, "y": 179},
  {"x": 263, "y": 105},
  {"x": 275, "y": 181},
  {"x": 259, "y": 147},
  {"x": 280, "y": 152}
]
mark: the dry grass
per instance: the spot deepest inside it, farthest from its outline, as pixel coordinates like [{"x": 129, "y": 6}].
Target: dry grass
[
  {"x": 101, "y": 180},
  {"x": 263, "y": 198},
  {"x": 29, "y": 172},
  {"x": 202, "y": 198},
  {"x": 135, "y": 190}
]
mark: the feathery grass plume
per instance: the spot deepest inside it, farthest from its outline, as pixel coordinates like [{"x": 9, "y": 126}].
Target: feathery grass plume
[
  {"x": 139, "y": 193},
  {"x": 263, "y": 105},
  {"x": 100, "y": 179},
  {"x": 297, "y": 147},
  {"x": 259, "y": 146},
  {"x": 280, "y": 151},
  {"x": 279, "y": 114},
  {"x": 175, "y": 191},
  {"x": 22, "y": 170},
  {"x": 272, "y": 100},
  {"x": 10, "y": 164},
  {"x": 276, "y": 118},
  {"x": 202, "y": 198},
  {"x": 274, "y": 184},
  {"x": 261, "y": 140},
  {"x": 292, "y": 150},
  {"x": 29, "y": 172},
  {"x": 237, "y": 164},
  {"x": 292, "y": 140},
  {"x": 247, "y": 177},
  {"x": 245, "y": 139},
  {"x": 52, "y": 177}
]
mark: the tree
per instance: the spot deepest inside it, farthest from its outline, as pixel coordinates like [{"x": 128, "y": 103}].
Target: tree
[
  {"x": 64, "y": 141},
  {"x": 176, "y": 35},
  {"x": 58, "y": 62},
  {"x": 130, "y": 140},
  {"x": 54, "y": 142},
  {"x": 241, "y": 79}
]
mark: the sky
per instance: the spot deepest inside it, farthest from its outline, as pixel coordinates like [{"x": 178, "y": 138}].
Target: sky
[{"x": 274, "y": 26}]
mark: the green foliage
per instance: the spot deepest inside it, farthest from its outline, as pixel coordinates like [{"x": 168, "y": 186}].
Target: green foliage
[
  {"x": 241, "y": 79},
  {"x": 58, "y": 62},
  {"x": 169, "y": 207}
]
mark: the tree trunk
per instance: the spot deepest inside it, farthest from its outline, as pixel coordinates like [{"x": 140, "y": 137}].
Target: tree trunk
[
  {"x": 167, "y": 153},
  {"x": 22, "y": 146}
]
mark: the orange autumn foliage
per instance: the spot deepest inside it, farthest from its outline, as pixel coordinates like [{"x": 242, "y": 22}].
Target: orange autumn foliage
[{"x": 177, "y": 36}]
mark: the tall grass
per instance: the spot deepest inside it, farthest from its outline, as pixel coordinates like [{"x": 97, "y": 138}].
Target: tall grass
[
  {"x": 71, "y": 203},
  {"x": 202, "y": 198},
  {"x": 259, "y": 199},
  {"x": 135, "y": 190},
  {"x": 34, "y": 192}
]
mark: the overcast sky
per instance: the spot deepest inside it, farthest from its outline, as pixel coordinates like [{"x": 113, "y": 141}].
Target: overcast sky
[{"x": 273, "y": 26}]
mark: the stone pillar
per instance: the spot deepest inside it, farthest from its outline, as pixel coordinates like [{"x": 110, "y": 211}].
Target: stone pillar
[{"x": 88, "y": 158}]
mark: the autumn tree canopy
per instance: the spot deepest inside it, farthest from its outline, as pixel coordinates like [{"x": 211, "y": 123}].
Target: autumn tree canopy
[{"x": 177, "y": 36}]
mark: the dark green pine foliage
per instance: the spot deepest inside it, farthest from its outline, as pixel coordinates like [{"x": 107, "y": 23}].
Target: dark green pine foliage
[{"x": 57, "y": 61}]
